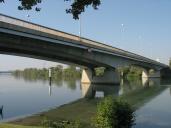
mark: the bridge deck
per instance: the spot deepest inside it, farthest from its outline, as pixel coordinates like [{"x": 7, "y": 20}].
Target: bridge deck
[{"x": 14, "y": 23}]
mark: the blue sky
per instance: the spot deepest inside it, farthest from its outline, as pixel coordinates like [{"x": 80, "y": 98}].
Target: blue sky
[{"x": 139, "y": 26}]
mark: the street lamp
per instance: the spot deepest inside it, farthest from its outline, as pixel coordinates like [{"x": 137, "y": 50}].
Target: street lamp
[{"x": 80, "y": 28}]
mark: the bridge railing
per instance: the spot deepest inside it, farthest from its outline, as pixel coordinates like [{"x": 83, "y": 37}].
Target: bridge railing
[{"x": 33, "y": 26}]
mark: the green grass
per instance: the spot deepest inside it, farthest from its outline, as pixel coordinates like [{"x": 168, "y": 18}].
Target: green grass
[
  {"x": 16, "y": 126},
  {"x": 84, "y": 109}
]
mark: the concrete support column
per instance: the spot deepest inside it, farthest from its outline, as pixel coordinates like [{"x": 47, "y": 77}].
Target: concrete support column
[
  {"x": 110, "y": 76},
  {"x": 145, "y": 74},
  {"x": 154, "y": 74},
  {"x": 87, "y": 76},
  {"x": 145, "y": 81}
]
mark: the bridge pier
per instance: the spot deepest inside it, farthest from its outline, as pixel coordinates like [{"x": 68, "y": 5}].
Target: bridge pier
[
  {"x": 110, "y": 76},
  {"x": 153, "y": 74}
]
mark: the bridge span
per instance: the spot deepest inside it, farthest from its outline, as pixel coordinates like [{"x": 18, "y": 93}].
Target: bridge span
[{"x": 22, "y": 38}]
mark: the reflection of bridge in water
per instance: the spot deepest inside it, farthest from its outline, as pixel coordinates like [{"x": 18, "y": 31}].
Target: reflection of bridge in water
[
  {"x": 92, "y": 90},
  {"x": 95, "y": 90},
  {"x": 151, "y": 81},
  {"x": 126, "y": 86}
]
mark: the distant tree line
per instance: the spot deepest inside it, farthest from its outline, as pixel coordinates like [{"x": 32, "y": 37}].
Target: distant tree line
[
  {"x": 58, "y": 72},
  {"x": 71, "y": 72}
]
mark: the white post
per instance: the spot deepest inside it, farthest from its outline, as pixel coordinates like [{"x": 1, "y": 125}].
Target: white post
[
  {"x": 50, "y": 73},
  {"x": 50, "y": 76}
]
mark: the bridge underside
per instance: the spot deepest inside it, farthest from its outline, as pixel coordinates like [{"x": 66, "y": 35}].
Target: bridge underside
[
  {"x": 26, "y": 47},
  {"x": 40, "y": 49}
]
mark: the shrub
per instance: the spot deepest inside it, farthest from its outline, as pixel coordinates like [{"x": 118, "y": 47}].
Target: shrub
[
  {"x": 60, "y": 124},
  {"x": 114, "y": 113}
]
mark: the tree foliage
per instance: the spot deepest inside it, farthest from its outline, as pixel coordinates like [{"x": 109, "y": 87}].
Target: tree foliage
[
  {"x": 77, "y": 6},
  {"x": 114, "y": 113}
]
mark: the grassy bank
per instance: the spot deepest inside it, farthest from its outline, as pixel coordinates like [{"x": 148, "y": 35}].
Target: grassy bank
[
  {"x": 84, "y": 109},
  {"x": 16, "y": 126}
]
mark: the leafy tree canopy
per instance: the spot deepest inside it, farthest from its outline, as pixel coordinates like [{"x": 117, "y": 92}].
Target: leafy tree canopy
[{"x": 77, "y": 6}]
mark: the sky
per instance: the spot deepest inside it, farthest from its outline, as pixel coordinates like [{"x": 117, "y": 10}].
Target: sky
[{"x": 139, "y": 26}]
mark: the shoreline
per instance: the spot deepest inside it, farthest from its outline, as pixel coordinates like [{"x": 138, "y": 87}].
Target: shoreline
[
  {"x": 87, "y": 108},
  {"x": 36, "y": 113}
]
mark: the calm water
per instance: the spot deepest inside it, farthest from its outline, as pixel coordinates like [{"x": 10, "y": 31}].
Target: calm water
[
  {"x": 156, "y": 113},
  {"x": 21, "y": 97}
]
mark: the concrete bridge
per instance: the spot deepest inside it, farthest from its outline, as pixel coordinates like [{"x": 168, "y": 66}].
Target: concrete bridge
[{"x": 22, "y": 38}]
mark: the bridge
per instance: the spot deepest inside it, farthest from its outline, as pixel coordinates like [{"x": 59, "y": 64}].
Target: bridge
[{"x": 22, "y": 38}]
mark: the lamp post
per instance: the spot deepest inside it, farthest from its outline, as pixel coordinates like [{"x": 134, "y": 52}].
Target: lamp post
[
  {"x": 122, "y": 32},
  {"x": 80, "y": 28}
]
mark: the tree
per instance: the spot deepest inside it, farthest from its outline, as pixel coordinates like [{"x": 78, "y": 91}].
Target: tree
[{"x": 77, "y": 6}]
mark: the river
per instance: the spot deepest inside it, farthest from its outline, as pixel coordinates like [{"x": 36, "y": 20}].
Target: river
[{"x": 21, "y": 97}]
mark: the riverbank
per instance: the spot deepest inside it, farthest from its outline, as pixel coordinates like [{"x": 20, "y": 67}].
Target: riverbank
[
  {"x": 85, "y": 109},
  {"x": 82, "y": 110},
  {"x": 16, "y": 126}
]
